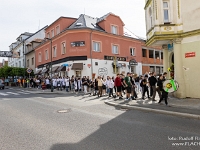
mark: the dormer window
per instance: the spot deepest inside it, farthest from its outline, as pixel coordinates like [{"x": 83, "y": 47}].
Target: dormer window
[
  {"x": 113, "y": 29},
  {"x": 79, "y": 24}
]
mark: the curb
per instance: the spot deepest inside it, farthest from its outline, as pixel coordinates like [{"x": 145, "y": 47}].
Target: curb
[{"x": 173, "y": 113}]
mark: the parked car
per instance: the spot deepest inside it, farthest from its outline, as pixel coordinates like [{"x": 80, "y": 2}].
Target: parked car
[{"x": 2, "y": 84}]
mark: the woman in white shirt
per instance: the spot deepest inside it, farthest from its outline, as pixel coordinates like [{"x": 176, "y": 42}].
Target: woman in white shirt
[{"x": 67, "y": 83}]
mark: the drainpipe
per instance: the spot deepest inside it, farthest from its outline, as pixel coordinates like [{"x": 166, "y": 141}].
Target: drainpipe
[{"x": 91, "y": 53}]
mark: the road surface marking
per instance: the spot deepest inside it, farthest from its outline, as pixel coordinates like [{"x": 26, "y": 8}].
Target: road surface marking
[
  {"x": 12, "y": 93},
  {"x": 4, "y": 94}
]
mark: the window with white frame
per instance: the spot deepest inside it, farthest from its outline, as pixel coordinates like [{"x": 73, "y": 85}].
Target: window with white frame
[
  {"x": 166, "y": 11},
  {"x": 52, "y": 33},
  {"x": 19, "y": 63},
  {"x": 46, "y": 55},
  {"x": 132, "y": 51},
  {"x": 57, "y": 30},
  {"x": 39, "y": 57},
  {"x": 96, "y": 46},
  {"x": 114, "y": 29},
  {"x": 54, "y": 51},
  {"x": 63, "y": 48},
  {"x": 115, "y": 49}
]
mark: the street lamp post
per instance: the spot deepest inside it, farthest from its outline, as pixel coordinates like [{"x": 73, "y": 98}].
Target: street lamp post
[{"x": 51, "y": 64}]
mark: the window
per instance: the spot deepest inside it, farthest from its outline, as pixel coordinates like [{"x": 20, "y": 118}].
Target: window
[
  {"x": 54, "y": 51},
  {"x": 16, "y": 64},
  {"x": 19, "y": 63},
  {"x": 57, "y": 30},
  {"x": 152, "y": 69},
  {"x": 46, "y": 55},
  {"x": 27, "y": 63},
  {"x": 63, "y": 48},
  {"x": 150, "y": 17},
  {"x": 151, "y": 53},
  {"x": 48, "y": 35},
  {"x": 52, "y": 33},
  {"x": 115, "y": 49},
  {"x": 132, "y": 51},
  {"x": 166, "y": 11},
  {"x": 114, "y": 29},
  {"x": 32, "y": 61},
  {"x": 40, "y": 57},
  {"x": 161, "y": 55},
  {"x": 96, "y": 46},
  {"x": 144, "y": 53},
  {"x": 157, "y": 54}
]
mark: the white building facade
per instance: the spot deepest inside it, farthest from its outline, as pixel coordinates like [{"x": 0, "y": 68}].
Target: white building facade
[{"x": 175, "y": 25}]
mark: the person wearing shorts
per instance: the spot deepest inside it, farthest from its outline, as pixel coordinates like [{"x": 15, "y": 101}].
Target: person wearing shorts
[
  {"x": 118, "y": 85},
  {"x": 128, "y": 85}
]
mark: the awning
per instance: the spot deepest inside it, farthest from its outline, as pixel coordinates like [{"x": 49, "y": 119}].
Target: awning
[
  {"x": 53, "y": 69},
  {"x": 44, "y": 71},
  {"x": 77, "y": 66},
  {"x": 61, "y": 68},
  {"x": 38, "y": 72}
]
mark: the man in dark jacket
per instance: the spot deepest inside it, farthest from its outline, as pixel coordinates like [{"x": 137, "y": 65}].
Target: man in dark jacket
[
  {"x": 145, "y": 87},
  {"x": 160, "y": 84},
  {"x": 152, "y": 82}
]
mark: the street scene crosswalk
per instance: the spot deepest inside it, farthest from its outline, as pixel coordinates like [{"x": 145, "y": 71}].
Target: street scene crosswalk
[{"x": 17, "y": 93}]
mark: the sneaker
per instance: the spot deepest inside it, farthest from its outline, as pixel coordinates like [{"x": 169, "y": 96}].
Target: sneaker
[{"x": 153, "y": 100}]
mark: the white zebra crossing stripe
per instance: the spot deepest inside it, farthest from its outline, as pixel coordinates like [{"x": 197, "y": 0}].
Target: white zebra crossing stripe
[
  {"x": 3, "y": 94},
  {"x": 12, "y": 93},
  {"x": 23, "y": 93}
]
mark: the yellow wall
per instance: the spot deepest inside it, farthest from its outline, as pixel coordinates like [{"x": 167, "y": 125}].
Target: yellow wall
[{"x": 192, "y": 76}]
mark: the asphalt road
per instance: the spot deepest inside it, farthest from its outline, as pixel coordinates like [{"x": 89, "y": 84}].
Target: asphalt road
[{"x": 34, "y": 122}]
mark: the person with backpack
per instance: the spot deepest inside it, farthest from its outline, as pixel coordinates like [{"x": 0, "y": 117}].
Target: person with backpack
[{"x": 127, "y": 83}]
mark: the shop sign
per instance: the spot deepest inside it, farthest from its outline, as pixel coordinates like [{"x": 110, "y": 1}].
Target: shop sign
[
  {"x": 133, "y": 62},
  {"x": 170, "y": 46},
  {"x": 78, "y": 43},
  {"x": 103, "y": 71},
  {"x": 113, "y": 58},
  {"x": 191, "y": 54},
  {"x": 6, "y": 54}
]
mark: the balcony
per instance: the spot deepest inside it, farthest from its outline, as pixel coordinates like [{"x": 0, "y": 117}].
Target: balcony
[{"x": 164, "y": 34}]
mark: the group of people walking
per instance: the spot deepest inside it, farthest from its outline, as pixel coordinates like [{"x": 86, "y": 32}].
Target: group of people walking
[{"x": 128, "y": 86}]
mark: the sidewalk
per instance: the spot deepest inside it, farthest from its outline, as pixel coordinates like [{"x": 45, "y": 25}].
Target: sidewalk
[{"x": 189, "y": 108}]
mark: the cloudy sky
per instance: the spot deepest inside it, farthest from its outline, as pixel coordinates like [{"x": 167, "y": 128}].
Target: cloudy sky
[{"x": 18, "y": 16}]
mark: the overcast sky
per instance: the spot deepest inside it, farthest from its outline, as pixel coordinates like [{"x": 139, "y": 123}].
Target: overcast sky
[{"x": 18, "y": 16}]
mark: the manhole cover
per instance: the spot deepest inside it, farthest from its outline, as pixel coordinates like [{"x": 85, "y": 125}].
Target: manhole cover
[{"x": 64, "y": 110}]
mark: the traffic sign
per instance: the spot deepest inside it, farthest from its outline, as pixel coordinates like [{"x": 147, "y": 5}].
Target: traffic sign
[{"x": 29, "y": 70}]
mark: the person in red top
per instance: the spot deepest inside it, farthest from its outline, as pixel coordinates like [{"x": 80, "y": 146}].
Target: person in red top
[{"x": 118, "y": 85}]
